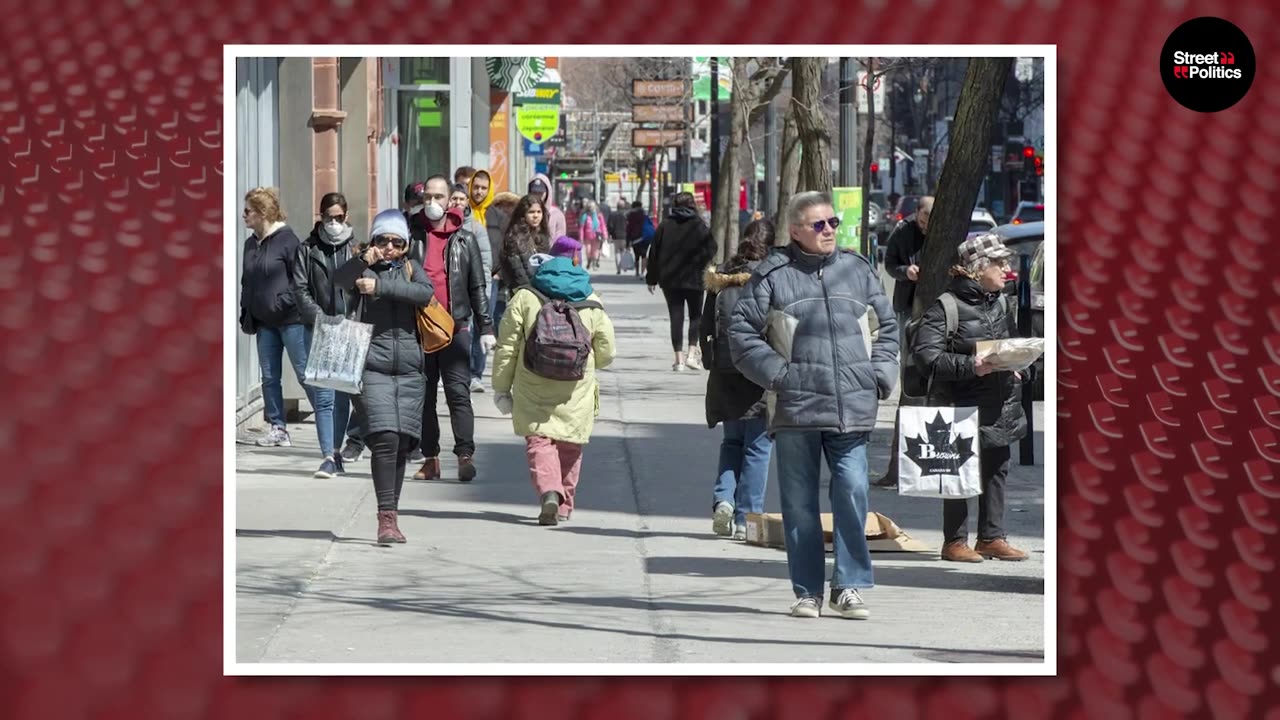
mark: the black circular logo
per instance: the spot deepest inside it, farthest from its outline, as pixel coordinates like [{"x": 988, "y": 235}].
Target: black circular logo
[{"x": 1207, "y": 64}]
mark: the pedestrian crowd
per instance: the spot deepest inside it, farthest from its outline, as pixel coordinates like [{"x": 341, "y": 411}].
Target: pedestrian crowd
[{"x": 800, "y": 344}]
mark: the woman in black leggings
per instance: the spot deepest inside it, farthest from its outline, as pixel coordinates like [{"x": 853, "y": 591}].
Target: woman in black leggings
[
  {"x": 682, "y": 248},
  {"x": 388, "y": 288}
]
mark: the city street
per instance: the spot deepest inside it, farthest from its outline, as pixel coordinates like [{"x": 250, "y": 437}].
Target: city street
[{"x": 635, "y": 576}]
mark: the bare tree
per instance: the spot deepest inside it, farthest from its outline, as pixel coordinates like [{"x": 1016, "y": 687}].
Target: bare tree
[
  {"x": 756, "y": 81},
  {"x": 962, "y": 174},
  {"x": 788, "y": 169},
  {"x": 811, "y": 123}
]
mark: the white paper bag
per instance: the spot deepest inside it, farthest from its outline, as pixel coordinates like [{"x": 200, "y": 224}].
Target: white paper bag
[
  {"x": 938, "y": 452},
  {"x": 338, "y": 350}
]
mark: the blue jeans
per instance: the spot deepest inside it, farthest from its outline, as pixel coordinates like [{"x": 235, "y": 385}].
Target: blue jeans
[
  {"x": 273, "y": 343},
  {"x": 744, "y": 467},
  {"x": 478, "y": 358},
  {"x": 799, "y": 453}
]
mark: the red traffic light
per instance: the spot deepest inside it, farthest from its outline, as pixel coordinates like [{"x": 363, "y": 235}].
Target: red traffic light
[
  {"x": 1039, "y": 162},
  {"x": 1028, "y": 151},
  {"x": 875, "y": 167}
]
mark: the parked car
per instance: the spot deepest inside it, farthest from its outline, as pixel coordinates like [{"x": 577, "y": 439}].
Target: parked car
[
  {"x": 1022, "y": 238},
  {"x": 981, "y": 222},
  {"x": 1036, "y": 282},
  {"x": 907, "y": 204},
  {"x": 1027, "y": 212}
]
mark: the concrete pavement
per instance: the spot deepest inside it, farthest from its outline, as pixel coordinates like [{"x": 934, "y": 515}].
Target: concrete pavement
[{"x": 636, "y": 576}]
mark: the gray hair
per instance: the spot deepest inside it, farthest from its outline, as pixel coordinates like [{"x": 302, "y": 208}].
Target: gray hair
[{"x": 803, "y": 201}]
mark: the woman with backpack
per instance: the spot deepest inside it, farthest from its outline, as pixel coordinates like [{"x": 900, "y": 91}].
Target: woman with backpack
[
  {"x": 682, "y": 248},
  {"x": 554, "y": 336},
  {"x": 960, "y": 379},
  {"x": 526, "y": 235},
  {"x": 387, "y": 288},
  {"x": 732, "y": 399}
]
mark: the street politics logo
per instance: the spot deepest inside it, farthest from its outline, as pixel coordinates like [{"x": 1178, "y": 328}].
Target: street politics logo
[
  {"x": 1207, "y": 64},
  {"x": 936, "y": 453}
]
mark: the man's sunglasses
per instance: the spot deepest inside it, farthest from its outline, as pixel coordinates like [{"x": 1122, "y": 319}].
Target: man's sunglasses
[
  {"x": 833, "y": 222},
  {"x": 398, "y": 243}
]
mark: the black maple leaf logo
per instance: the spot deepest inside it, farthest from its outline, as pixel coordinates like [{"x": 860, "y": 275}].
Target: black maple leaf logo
[{"x": 938, "y": 454}]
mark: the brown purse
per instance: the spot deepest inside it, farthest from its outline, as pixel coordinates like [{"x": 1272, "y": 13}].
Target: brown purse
[{"x": 435, "y": 324}]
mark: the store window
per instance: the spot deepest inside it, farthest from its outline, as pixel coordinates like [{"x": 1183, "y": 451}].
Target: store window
[{"x": 422, "y": 117}]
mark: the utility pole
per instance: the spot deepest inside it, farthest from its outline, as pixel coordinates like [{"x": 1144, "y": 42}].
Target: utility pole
[
  {"x": 715, "y": 128},
  {"x": 770, "y": 160},
  {"x": 848, "y": 124}
]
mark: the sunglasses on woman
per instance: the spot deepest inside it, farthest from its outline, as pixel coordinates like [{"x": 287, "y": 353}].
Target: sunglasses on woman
[
  {"x": 833, "y": 222},
  {"x": 398, "y": 243}
]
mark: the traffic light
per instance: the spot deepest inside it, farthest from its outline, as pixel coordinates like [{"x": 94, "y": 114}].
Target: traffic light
[
  {"x": 1039, "y": 167},
  {"x": 875, "y": 168},
  {"x": 1028, "y": 152}
]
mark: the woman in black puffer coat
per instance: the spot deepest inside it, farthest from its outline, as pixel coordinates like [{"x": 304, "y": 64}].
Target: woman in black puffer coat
[
  {"x": 682, "y": 247},
  {"x": 963, "y": 381},
  {"x": 732, "y": 399},
  {"x": 389, "y": 287}
]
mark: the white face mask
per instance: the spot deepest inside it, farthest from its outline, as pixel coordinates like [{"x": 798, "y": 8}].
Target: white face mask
[
  {"x": 334, "y": 228},
  {"x": 434, "y": 212}
]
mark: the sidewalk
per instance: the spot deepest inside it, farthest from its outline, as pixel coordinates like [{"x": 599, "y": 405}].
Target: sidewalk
[{"x": 636, "y": 576}]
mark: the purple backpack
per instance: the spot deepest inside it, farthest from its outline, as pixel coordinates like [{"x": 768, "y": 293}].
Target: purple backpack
[{"x": 559, "y": 345}]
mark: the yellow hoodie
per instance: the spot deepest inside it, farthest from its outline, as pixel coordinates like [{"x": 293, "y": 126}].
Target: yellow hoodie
[{"x": 478, "y": 210}]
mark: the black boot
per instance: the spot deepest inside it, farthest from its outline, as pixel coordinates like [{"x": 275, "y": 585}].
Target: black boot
[{"x": 890, "y": 477}]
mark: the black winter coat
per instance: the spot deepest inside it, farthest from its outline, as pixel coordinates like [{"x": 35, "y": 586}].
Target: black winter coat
[
  {"x": 903, "y": 250},
  {"x": 730, "y": 395},
  {"x": 680, "y": 251},
  {"x": 314, "y": 288},
  {"x": 266, "y": 282},
  {"x": 394, "y": 384},
  {"x": 998, "y": 395},
  {"x": 617, "y": 225}
]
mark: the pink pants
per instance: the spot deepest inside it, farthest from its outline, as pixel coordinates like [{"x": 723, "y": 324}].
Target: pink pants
[{"x": 554, "y": 466}]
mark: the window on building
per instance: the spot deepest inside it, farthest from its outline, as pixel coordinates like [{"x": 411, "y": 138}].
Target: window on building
[
  {"x": 423, "y": 118},
  {"x": 424, "y": 71}
]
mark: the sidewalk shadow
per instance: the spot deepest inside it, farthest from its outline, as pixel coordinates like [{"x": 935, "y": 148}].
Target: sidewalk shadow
[
  {"x": 300, "y": 535},
  {"x": 937, "y": 577}
]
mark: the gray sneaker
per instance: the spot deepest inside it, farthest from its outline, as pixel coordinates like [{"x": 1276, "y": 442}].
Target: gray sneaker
[
  {"x": 740, "y": 533},
  {"x": 275, "y": 437},
  {"x": 806, "y": 607},
  {"x": 722, "y": 519},
  {"x": 477, "y": 385},
  {"x": 849, "y": 604}
]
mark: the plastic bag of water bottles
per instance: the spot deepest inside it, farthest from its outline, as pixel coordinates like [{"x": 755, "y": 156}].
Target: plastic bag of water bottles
[{"x": 338, "y": 349}]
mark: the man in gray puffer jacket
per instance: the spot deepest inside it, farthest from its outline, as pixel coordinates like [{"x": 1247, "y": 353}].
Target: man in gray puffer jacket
[{"x": 802, "y": 331}]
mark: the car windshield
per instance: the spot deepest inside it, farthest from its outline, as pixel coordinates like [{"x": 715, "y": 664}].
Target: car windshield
[
  {"x": 1031, "y": 213},
  {"x": 1037, "y": 270}
]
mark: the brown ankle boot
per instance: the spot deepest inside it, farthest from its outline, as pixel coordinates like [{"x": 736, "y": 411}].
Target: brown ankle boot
[
  {"x": 395, "y": 527},
  {"x": 430, "y": 470},
  {"x": 999, "y": 550},
  {"x": 959, "y": 551},
  {"x": 387, "y": 527},
  {"x": 466, "y": 468}
]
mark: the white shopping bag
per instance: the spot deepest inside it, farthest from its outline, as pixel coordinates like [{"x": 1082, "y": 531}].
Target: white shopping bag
[
  {"x": 338, "y": 350},
  {"x": 938, "y": 452},
  {"x": 627, "y": 261}
]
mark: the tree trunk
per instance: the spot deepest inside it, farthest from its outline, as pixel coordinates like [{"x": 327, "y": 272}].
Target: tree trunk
[
  {"x": 962, "y": 175},
  {"x": 867, "y": 152},
  {"x": 811, "y": 123},
  {"x": 788, "y": 173},
  {"x": 724, "y": 216}
]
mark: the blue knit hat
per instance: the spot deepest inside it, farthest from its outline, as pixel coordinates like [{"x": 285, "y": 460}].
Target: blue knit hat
[{"x": 390, "y": 222}]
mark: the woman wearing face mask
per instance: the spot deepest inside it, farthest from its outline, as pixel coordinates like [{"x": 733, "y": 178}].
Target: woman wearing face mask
[
  {"x": 387, "y": 288},
  {"x": 526, "y": 235},
  {"x": 319, "y": 257},
  {"x": 962, "y": 380}
]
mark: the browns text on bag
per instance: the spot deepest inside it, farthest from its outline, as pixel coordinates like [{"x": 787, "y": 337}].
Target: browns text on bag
[
  {"x": 559, "y": 346},
  {"x": 435, "y": 324}
]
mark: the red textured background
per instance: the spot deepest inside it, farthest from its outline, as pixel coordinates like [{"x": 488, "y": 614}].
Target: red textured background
[{"x": 110, "y": 268}]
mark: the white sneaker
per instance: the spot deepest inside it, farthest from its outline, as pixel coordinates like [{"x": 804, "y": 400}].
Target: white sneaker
[
  {"x": 806, "y": 607},
  {"x": 275, "y": 437},
  {"x": 722, "y": 519},
  {"x": 740, "y": 533},
  {"x": 677, "y": 367},
  {"x": 693, "y": 362},
  {"x": 849, "y": 604},
  {"x": 477, "y": 386}
]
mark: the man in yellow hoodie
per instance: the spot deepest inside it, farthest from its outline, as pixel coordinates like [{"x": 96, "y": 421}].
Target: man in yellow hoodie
[{"x": 479, "y": 198}]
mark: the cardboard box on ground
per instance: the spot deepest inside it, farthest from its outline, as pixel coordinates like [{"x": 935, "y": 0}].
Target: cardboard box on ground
[{"x": 883, "y": 534}]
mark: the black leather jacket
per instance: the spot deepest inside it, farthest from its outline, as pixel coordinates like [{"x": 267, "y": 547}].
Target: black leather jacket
[
  {"x": 468, "y": 286},
  {"x": 314, "y": 288}
]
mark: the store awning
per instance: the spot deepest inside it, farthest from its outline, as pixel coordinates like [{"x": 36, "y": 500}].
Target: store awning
[{"x": 515, "y": 74}]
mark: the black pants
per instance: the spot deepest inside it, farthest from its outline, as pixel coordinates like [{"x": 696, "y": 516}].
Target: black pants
[
  {"x": 640, "y": 250},
  {"x": 390, "y": 456},
  {"x": 677, "y": 300},
  {"x": 453, "y": 363},
  {"x": 955, "y": 513}
]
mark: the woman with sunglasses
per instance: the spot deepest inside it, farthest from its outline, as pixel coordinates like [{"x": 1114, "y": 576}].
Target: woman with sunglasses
[
  {"x": 319, "y": 257},
  {"x": 961, "y": 379},
  {"x": 387, "y": 289},
  {"x": 269, "y": 310},
  {"x": 681, "y": 250}
]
